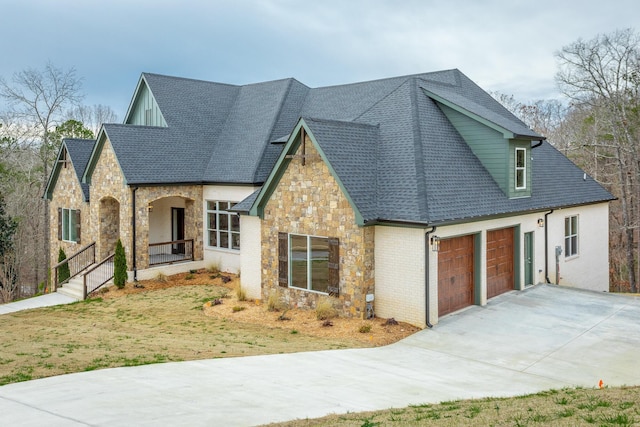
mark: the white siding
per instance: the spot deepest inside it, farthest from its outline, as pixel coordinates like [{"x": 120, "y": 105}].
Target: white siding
[
  {"x": 400, "y": 274},
  {"x": 250, "y": 259},
  {"x": 225, "y": 259},
  {"x": 589, "y": 269}
]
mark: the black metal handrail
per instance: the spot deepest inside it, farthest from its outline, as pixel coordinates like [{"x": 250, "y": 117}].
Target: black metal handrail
[
  {"x": 76, "y": 262},
  {"x": 97, "y": 276},
  {"x": 170, "y": 252}
]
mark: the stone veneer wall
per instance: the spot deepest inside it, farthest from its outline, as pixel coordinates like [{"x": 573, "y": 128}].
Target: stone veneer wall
[
  {"x": 309, "y": 201},
  {"x": 67, "y": 194},
  {"x": 108, "y": 181}
]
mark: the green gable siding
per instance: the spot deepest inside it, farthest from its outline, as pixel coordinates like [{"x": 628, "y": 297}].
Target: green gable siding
[
  {"x": 487, "y": 144},
  {"x": 145, "y": 110}
]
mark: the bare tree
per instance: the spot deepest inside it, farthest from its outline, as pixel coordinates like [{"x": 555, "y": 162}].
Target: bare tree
[
  {"x": 37, "y": 102},
  {"x": 601, "y": 76},
  {"x": 93, "y": 117}
]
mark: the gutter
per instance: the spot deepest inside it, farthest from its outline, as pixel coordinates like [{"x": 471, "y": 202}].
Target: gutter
[
  {"x": 546, "y": 246},
  {"x": 538, "y": 144},
  {"x": 427, "y": 250}
]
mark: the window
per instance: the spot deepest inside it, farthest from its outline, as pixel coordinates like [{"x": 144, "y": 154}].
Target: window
[
  {"x": 309, "y": 262},
  {"x": 521, "y": 168},
  {"x": 571, "y": 236},
  {"x": 69, "y": 225},
  {"x": 223, "y": 227}
]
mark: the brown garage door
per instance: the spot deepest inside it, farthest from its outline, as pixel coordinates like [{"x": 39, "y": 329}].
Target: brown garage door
[
  {"x": 455, "y": 274},
  {"x": 500, "y": 274}
]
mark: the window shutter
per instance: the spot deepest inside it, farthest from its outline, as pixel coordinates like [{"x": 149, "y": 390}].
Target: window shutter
[
  {"x": 283, "y": 259},
  {"x": 59, "y": 223},
  {"x": 77, "y": 212},
  {"x": 334, "y": 267}
]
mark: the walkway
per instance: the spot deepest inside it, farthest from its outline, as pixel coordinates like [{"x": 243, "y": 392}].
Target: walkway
[{"x": 46, "y": 300}]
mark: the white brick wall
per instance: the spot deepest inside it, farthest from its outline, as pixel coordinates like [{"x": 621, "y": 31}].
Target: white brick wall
[
  {"x": 250, "y": 261},
  {"x": 400, "y": 274}
]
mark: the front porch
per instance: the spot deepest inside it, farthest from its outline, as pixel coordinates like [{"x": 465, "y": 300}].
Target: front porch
[{"x": 166, "y": 227}]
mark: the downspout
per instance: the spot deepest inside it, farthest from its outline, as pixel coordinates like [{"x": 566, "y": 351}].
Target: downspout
[
  {"x": 546, "y": 234},
  {"x": 546, "y": 246},
  {"x": 133, "y": 230},
  {"x": 427, "y": 249}
]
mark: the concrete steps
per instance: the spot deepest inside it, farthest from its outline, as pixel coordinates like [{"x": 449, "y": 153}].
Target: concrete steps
[{"x": 74, "y": 288}]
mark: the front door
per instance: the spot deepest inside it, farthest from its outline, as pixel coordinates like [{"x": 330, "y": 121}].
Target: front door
[
  {"x": 528, "y": 258},
  {"x": 177, "y": 230}
]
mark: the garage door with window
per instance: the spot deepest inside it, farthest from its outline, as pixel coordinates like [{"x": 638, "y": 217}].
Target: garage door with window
[
  {"x": 455, "y": 274},
  {"x": 500, "y": 266}
]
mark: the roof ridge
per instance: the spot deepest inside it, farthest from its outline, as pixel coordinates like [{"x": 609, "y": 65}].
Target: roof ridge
[
  {"x": 274, "y": 122},
  {"x": 421, "y": 181},
  {"x": 403, "y": 77},
  {"x": 189, "y": 79},
  {"x": 383, "y": 98},
  {"x": 349, "y": 122}
]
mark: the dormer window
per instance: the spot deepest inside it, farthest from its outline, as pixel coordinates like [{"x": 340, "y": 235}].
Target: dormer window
[{"x": 521, "y": 169}]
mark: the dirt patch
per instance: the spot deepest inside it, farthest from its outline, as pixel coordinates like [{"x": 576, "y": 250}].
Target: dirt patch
[{"x": 374, "y": 332}]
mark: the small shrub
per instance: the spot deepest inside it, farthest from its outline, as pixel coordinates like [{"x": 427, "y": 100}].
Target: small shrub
[
  {"x": 193, "y": 271},
  {"x": 283, "y": 316},
  {"x": 161, "y": 277},
  {"x": 214, "y": 269},
  {"x": 119, "y": 266},
  {"x": 241, "y": 294},
  {"x": 327, "y": 323},
  {"x": 189, "y": 276},
  {"x": 275, "y": 302},
  {"x": 237, "y": 308},
  {"x": 63, "y": 272},
  {"x": 293, "y": 332},
  {"x": 325, "y": 309},
  {"x": 366, "y": 328}
]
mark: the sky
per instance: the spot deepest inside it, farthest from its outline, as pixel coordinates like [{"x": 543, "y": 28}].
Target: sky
[{"x": 505, "y": 46}]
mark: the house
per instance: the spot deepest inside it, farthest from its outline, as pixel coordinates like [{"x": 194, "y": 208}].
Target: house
[{"x": 413, "y": 196}]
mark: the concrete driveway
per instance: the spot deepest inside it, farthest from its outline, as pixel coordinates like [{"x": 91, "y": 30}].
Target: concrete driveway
[{"x": 521, "y": 342}]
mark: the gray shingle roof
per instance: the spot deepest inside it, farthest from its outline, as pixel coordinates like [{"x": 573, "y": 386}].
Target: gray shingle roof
[
  {"x": 80, "y": 151},
  {"x": 392, "y": 148}
]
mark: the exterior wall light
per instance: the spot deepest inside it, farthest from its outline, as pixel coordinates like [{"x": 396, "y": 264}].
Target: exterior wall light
[
  {"x": 435, "y": 243},
  {"x": 150, "y": 207},
  {"x": 540, "y": 222}
]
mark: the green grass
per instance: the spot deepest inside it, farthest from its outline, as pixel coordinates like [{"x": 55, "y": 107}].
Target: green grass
[
  {"x": 566, "y": 407},
  {"x": 149, "y": 327}
]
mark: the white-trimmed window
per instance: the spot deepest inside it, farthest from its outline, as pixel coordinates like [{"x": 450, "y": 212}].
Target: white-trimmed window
[
  {"x": 223, "y": 227},
  {"x": 309, "y": 262},
  {"x": 571, "y": 236},
  {"x": 69, "y": 225},
  {"x": 521, "y": 169}
]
